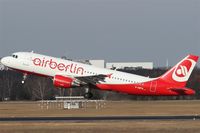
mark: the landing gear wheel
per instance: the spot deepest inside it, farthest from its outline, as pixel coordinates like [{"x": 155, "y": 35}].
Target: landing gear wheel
[
  {"x": 88, "y": 95},
  {"x": 24, "y": 78}
]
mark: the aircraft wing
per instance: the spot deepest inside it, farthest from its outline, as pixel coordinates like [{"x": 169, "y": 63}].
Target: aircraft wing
[{"x": 94, "y": 79}]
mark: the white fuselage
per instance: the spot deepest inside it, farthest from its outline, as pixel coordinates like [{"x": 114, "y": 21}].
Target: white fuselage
[{"x": 51, "y": 66}]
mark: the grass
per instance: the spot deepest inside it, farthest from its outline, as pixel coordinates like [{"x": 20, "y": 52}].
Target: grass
[
  {"x": 27, "y": 109},
  {"x": 104, "y": 126}
]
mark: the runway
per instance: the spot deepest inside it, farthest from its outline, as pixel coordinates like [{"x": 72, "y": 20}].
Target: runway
[{"x": 99, "y": 118}]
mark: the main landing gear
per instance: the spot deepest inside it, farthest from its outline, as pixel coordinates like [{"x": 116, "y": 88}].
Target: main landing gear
[{"x": 88, "y": 94}]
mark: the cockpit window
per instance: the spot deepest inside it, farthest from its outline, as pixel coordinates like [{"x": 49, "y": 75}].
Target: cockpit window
[{"x": 14, "y": 56}]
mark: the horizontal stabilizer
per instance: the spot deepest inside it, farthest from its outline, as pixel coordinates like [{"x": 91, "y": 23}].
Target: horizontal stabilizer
[{"x": 183, "y": 91}]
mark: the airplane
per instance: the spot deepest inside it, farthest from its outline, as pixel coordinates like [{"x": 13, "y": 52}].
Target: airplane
[{"x": 70, "y": 74}]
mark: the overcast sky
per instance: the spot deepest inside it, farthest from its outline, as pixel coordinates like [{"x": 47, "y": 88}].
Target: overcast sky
[{"x": 114, "y": 30}]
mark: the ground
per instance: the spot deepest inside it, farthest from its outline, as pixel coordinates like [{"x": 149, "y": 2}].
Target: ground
[
  {"x": 104, "y": 126},
  {"x": 16, "y": 109}
]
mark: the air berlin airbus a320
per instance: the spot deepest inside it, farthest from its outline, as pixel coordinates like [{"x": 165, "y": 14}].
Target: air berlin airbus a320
[{"x": 69, "y": 74}]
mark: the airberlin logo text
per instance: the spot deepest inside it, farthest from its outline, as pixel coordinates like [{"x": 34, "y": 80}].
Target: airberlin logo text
[{"x": 50, "y": 63}]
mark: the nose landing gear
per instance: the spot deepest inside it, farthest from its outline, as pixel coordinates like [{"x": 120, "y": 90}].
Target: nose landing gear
[{"x": 24, "y": 78}]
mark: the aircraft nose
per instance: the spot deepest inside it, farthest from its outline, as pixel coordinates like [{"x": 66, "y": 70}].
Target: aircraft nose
[{"x": 5, "y": 61}]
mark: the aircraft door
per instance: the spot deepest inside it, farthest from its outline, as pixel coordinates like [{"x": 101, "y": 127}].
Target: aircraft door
[
  {"x": 27, "y": 61},
  {"x": 153, "y": 86}
]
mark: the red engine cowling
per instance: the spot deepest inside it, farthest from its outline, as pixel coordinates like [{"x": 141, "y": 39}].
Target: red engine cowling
[{"x": 64, "y": 82}]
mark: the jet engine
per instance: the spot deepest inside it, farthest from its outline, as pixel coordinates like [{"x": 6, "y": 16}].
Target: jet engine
[{"x": 64, "y": 82}]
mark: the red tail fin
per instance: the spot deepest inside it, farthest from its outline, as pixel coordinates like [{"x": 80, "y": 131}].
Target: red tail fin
[{"x": 181, "y": 72}]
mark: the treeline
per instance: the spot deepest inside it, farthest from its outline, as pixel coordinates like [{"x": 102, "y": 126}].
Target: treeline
[{"x": 41, "y": 88}]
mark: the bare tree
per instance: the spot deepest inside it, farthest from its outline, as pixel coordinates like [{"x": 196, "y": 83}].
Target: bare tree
[
  {"x": 8, "y": 79},
  {"x": 39, "y": 88}
]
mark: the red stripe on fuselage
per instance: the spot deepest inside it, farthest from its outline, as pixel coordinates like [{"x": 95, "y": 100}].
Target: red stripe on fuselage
[{"x": 154, "y": 87}]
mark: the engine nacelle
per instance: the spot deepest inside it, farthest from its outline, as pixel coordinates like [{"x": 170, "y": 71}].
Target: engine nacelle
[{"x": 64, "y": 82}]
